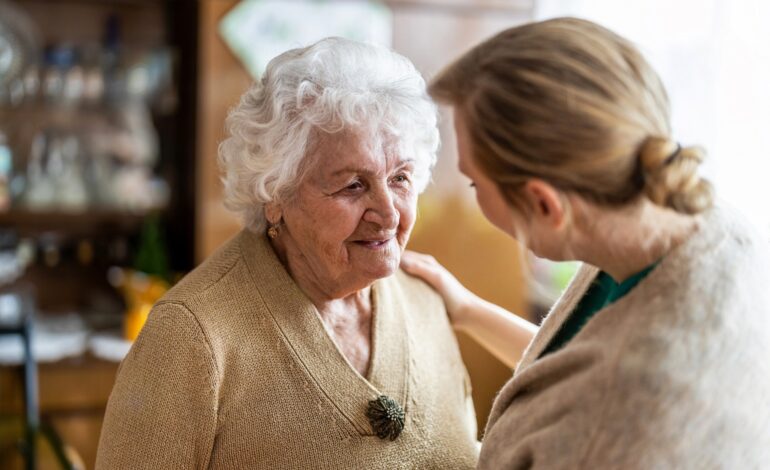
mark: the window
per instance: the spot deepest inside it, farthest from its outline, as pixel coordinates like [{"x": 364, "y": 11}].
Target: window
[{"x": 714, "y": 58}]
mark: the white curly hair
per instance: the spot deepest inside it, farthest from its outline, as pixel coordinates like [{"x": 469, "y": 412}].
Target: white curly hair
[{"x": 333, "y": 85}]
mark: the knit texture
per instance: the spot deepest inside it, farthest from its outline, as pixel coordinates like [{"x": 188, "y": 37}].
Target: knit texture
[
  {"x": 234, "y": 369},
  {"x": 675, "y": 375}
]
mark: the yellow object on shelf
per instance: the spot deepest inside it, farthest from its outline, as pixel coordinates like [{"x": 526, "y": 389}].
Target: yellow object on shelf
[
  {"x": 135, "y": 319},
  {"x": 141, "y": 291}
]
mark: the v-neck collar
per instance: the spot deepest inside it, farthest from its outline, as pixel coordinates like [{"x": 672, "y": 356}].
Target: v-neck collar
[
  {"x": 602, "y": 292},
  {"x": 315, "y": 350},
  {"x": 557, "y": 315}
]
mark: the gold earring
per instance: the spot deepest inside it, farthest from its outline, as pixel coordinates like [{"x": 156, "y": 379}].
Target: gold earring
[{"x": 272, "y": 232}]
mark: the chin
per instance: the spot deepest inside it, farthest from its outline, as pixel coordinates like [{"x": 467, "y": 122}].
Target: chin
[
  {"x": 361, "y": 278},
  {"x": 382, "y": 270},
  {"x": 550, "y": 255},
  {"x": 386, "y": 271}
]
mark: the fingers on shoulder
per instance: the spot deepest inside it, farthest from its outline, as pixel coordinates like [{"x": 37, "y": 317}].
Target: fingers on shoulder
[{"x": 420, "y": 258}]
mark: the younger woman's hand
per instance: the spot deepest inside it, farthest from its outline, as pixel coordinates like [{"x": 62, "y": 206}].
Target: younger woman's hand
[{"x": 456, "y": 297}]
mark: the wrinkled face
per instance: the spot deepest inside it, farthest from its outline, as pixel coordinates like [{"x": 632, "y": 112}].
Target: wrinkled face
[
  {"x": 488, "y": 195},
  {"x": 352, "y": 214}
]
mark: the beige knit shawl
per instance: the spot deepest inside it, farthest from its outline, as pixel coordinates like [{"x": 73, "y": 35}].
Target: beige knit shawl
[{"x": 675, "y": 375}]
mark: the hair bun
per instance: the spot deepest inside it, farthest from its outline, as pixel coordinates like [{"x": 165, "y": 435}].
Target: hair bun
[{"x": 671, "y": 176}]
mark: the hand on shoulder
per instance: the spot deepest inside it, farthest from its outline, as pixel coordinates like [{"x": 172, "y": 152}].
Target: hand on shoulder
[{"x": 456, "y": 297}]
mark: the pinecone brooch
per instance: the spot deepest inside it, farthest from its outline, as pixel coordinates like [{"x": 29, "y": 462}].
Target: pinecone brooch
[{"x": 386, "y": 417}]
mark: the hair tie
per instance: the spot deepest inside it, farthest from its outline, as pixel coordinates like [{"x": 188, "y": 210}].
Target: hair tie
[{"x": 673, "y": 155}]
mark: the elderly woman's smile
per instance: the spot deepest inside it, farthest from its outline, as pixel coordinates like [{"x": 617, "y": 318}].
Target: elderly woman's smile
[
  {"x": 373, "y": 244},
  {"x": 351, "y": 215}
]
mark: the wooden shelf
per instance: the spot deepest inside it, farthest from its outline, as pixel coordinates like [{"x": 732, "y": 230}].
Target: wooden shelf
[{"x": 30, "y": 222}]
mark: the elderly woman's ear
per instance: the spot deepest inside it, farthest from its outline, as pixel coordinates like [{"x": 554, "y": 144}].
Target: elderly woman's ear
[{"x": 273, "y": 213}]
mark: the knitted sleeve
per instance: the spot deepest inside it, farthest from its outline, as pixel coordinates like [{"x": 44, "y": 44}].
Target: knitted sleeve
[{"x": 162, "y": 412}]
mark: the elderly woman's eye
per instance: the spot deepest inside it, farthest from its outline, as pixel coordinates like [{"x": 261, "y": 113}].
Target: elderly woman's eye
[
  {"x": 401, "y": 178},
  {"x": 354, "y": 186}
]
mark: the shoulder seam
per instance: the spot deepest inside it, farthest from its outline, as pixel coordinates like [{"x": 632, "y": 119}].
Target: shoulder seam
[
  {"x": 234, "y": 263},
  {"x": 215, "y": 390},
  {"x": 176, "y": 300},
  {"x": 206, "y": 337}
]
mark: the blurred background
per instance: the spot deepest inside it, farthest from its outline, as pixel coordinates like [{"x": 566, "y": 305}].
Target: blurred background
[{"x": 110, "y": 116}]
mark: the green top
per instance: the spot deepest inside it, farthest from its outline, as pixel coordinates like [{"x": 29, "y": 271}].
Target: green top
[{"x": 602, "y": 292}]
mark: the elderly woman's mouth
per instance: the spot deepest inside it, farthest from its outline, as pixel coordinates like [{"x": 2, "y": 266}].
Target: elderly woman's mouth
[{"x": 373, "y": 244}]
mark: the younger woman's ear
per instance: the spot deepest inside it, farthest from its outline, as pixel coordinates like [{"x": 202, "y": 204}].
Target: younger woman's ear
[{"x": 546, "y": 202}]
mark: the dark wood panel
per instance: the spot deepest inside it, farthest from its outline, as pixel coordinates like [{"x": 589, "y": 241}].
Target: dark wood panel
[
  {"x": 74, "y": 385},
  {"x": 73, "y": 396}
]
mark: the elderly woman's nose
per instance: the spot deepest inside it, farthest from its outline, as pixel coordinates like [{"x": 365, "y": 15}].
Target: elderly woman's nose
[{"x": 382, "y": 210}]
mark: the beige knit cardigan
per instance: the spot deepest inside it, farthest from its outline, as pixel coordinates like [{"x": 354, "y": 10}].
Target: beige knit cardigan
[
  {"x": 235, "y": 370},
  {"x": 675, "y": 375}
]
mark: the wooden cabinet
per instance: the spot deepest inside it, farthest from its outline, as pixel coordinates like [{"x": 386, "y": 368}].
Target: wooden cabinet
[
  {"x": 122, "y": 42},
  {"x": 73, "y": 395}
]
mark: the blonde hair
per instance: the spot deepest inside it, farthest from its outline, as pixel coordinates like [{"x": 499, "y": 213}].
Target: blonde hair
[{"x": 574, "y": 104}]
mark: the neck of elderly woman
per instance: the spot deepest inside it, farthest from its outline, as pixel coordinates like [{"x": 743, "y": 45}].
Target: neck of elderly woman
[
  {"x": 345, "y": 310},
  {"x": 332, "y": 299}
]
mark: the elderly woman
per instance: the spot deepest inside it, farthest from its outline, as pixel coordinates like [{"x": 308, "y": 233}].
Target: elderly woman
[
  {"x": 299, "y": 344},
  {"x": 656, "y": 355}
]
